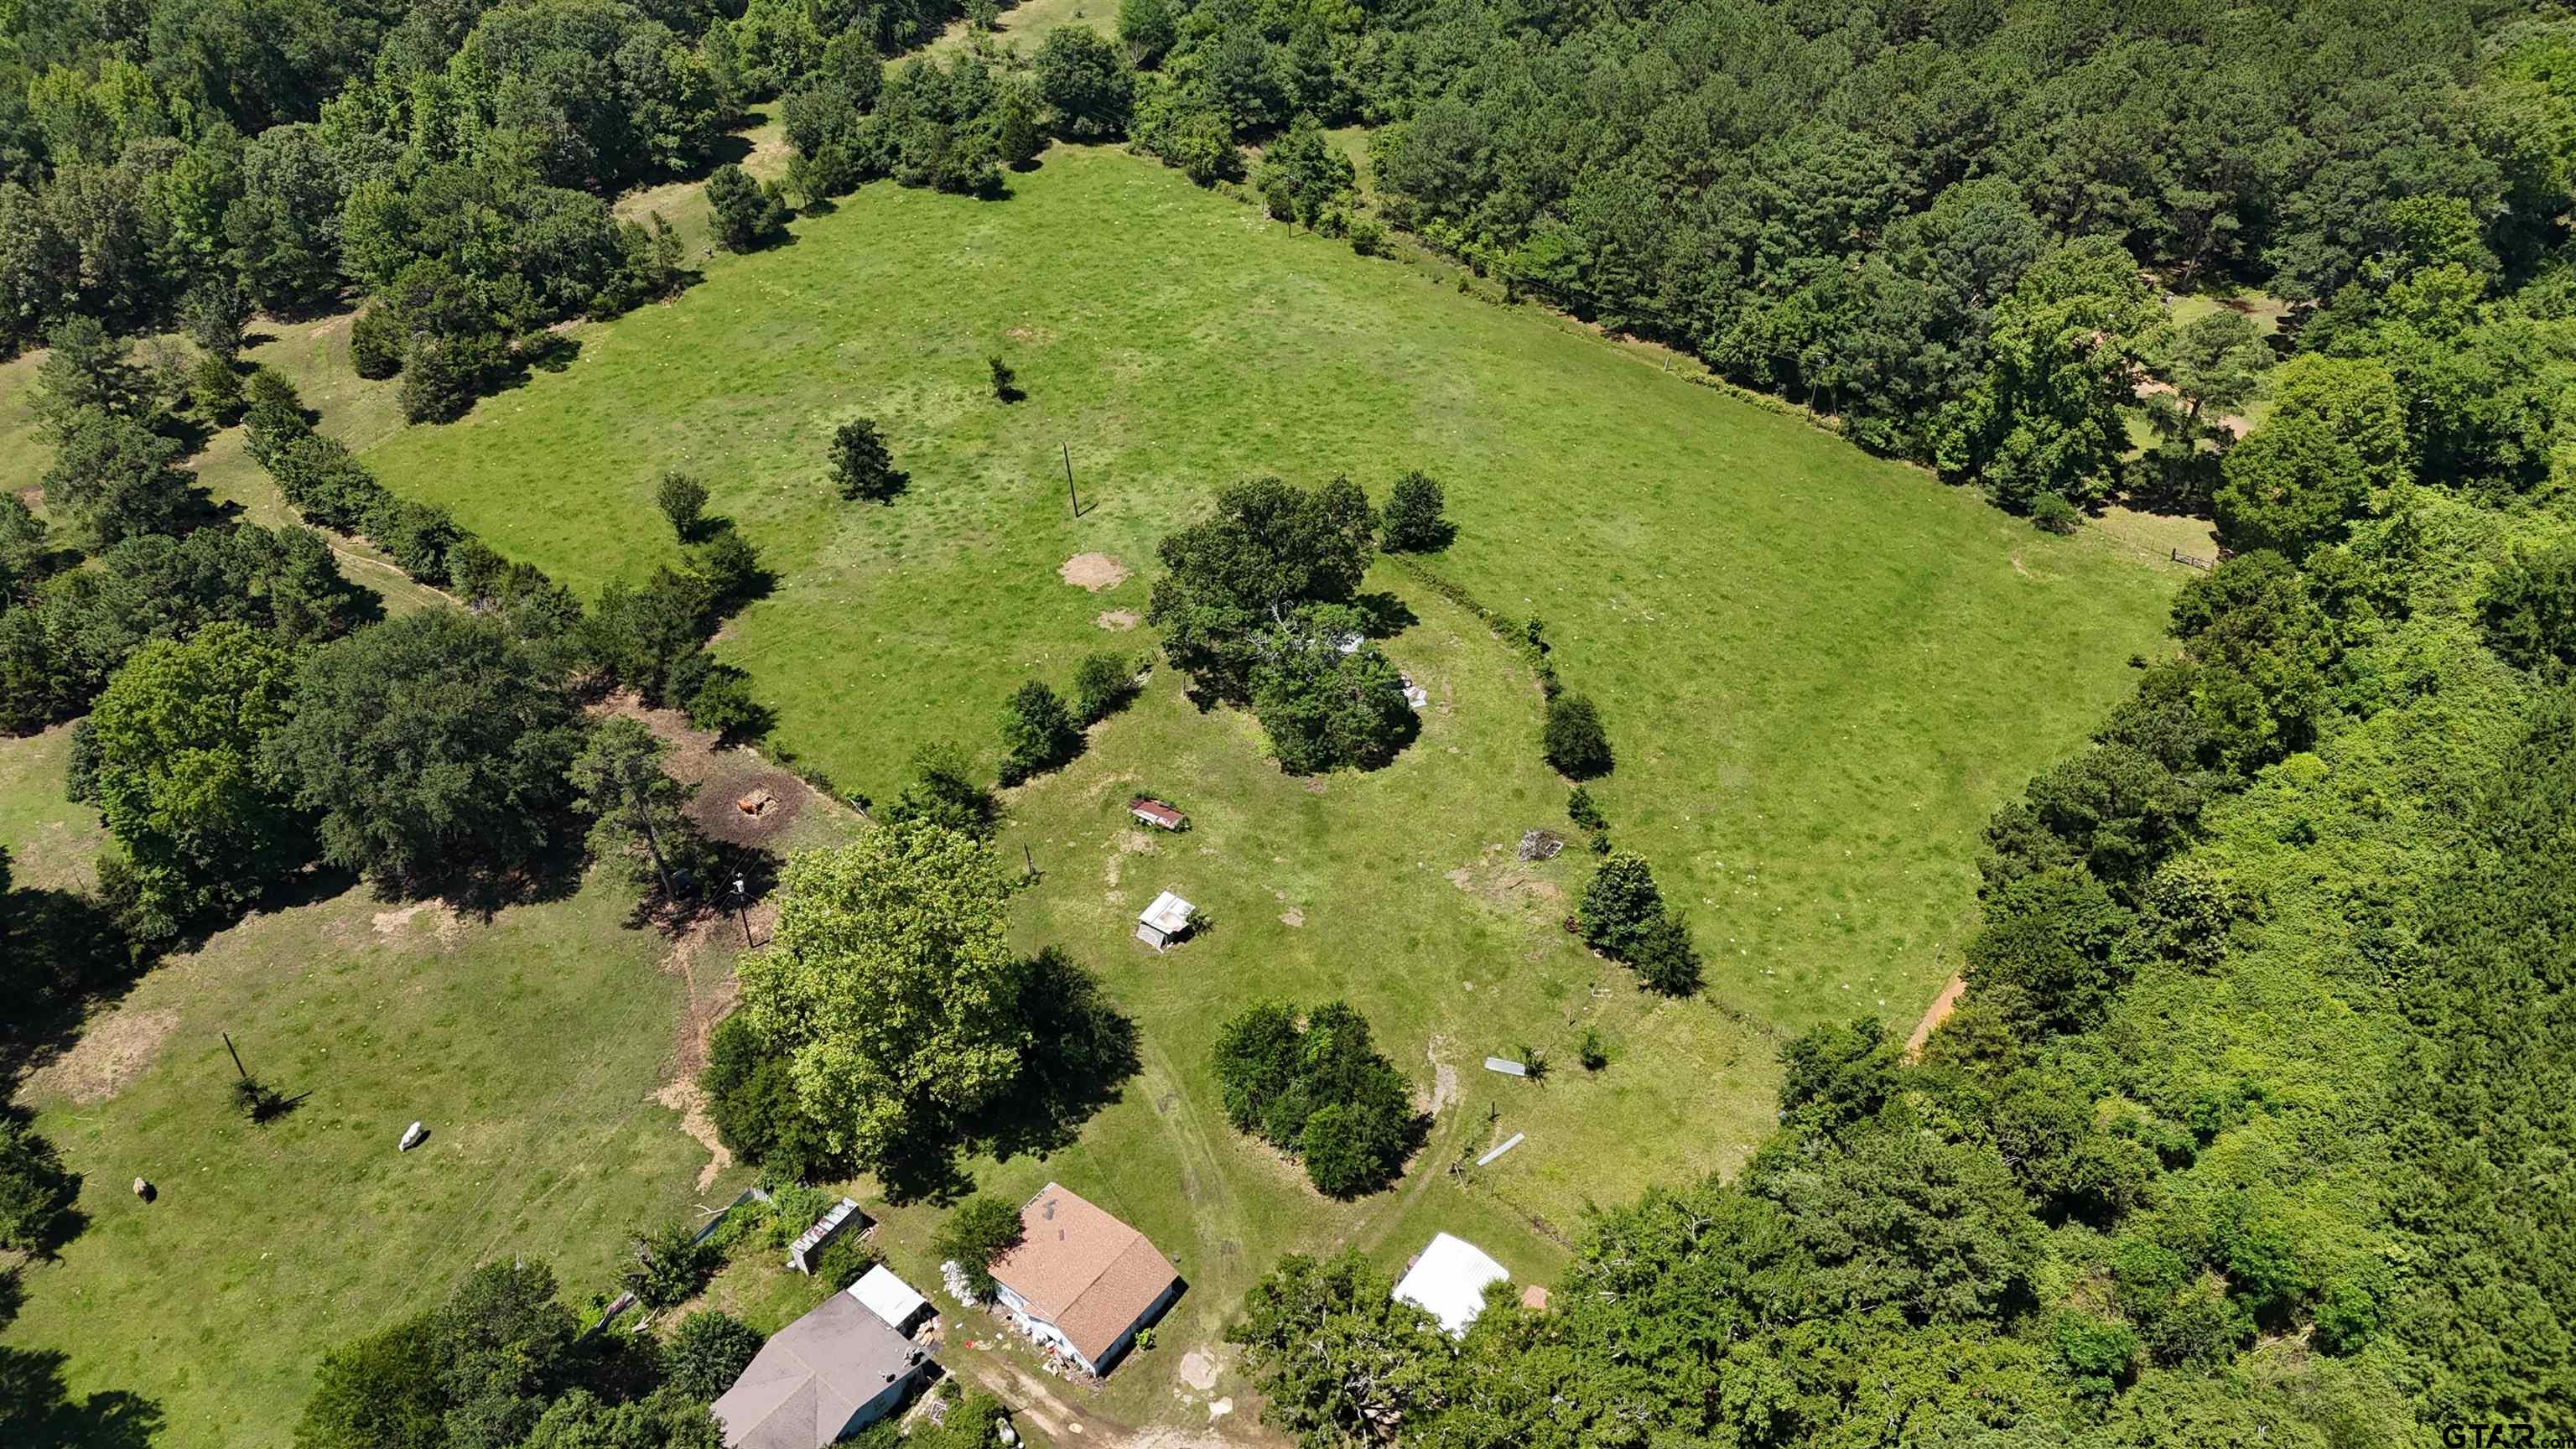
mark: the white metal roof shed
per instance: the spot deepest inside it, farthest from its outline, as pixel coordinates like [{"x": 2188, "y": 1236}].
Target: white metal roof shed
[
  {"x": 889, "y": 1298},
  {"x": 1448, "y": 1281}
]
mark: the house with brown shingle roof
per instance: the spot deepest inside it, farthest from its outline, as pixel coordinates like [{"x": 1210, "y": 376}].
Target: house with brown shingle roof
[{"x": 1080, "y": 1280}]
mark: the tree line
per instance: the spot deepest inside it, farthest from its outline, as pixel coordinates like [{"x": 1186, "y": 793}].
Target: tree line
[{"x": 1929, "y": 223}]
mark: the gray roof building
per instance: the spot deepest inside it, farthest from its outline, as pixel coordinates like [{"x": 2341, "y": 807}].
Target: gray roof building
[{"x": 828, "y": 1375}]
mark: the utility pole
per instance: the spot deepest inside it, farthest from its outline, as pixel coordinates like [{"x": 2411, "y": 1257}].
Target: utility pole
[
  {"x": 1074, "y": 498},
  {"x": 642, "y": 805},
  {"x": 742, "y": 909},
  {"x": 237, "y": 1066},
  {"x": 1028, "y": 860}
]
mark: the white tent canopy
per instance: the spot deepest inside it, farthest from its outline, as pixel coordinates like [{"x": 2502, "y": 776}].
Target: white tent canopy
[
  {"x": 1448, "y": 1282},
  {"x": 889, "y": 1298}
]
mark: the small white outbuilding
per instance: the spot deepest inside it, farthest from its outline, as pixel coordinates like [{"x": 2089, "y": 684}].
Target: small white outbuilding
[
  {"x": 1165, "y": 921},
  {"x": 1448, "y": 1282},
  {"x": 890, "y": 1298}
]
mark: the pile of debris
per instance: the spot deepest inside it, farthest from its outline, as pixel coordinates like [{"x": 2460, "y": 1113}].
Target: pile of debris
[{"x": 1541, "y": 845}]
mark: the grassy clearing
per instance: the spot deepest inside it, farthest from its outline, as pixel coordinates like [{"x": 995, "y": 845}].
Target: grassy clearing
[
  {"x": 50, "y": 840},
  {"x": 532, "y": 1045},
  {"x": 1022, "y": 26},
  {"x": 1823, "y": 670}
]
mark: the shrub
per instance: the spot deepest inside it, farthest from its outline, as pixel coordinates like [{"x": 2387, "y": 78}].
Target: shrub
[
  {"x": 1580, "y": 809},
  {"x": 1590, "y": 1051},
  {"x": 683, "y": 500},
  {"x": 747, "y": 213},
  {"x": 216, "y": 390},
  {"x": 2051, "y": 513},
  {"x": 1368, "y": 238},
  {"x": 980, "y": 1230},
  {"x": 751, "y": 1098},
  {"x": 1573, "y": 740},
  {"x": 1006, "y": 383},
  {"x": 707, "y": 1353},
  {"x": 376, "y": 343},
  {"x": 439, "y": 378},
  {"x": 845, "y": 1260},
  {"x": 723, "y": 703},
  {"x": 1624, "y": 916},
  {"x": 731, "y": 567},
  {"x": 670, "y": 1265},
  {"x": 1101, "y": 683},
  {"x": 1038, "y": 733},
  {"x": 862, "y": 467},
  {"x": 1413, "y": 521},
  {"x": 944, "y": 791}
]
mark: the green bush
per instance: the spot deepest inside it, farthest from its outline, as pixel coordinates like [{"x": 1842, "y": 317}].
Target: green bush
[
  {"x": 979, "y": 1230},
  {"x": 707, "y": 1353},
  {"x": 1573, "y": 739},
  {"x": 845, "y": 1260},
  {"x": 376, "y": 343}
]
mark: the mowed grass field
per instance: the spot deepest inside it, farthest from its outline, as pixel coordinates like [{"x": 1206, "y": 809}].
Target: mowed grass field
[
  {"x": 1822, "y": 670},
  {"x": 534, "y": 1044}
]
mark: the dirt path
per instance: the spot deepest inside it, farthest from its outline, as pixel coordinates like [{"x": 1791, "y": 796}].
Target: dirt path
[{"x": 1942, "y": 1006}]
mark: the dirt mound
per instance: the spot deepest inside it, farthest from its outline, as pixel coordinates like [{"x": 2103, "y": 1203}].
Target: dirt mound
[
  {"x": 774, "y": 796},
  {"x": 1093, "y": 571},
  {"x": 725, "y": 777}
]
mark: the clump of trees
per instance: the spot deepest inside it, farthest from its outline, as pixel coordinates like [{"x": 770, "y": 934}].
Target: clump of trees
[
  {"x": 499, "y": 1362},
  {"x": 1624, "y": 916},
  {"x": 1253, "y": 606},
  {"x": 433, "y": 686},
  {"x": 1318, "y": 1089},
  {"x": 821, "y": 1070}
]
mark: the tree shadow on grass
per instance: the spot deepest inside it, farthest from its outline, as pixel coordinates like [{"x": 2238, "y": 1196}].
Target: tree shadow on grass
[
  {"x": 67, "y": 955},
  {"x": 551, "y": 874},
  {"x": 37, "y": 1410},
  {"x": 1386, "y": 614},
  {"x": 1085, "y": 1051}
]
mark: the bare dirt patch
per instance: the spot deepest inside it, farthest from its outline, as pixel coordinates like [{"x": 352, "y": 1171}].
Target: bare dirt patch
[
  {"x": 1444, "y": 1077},
  {"x": 1118, "y": 621},
  {"x": 108, "y": 1055},
  {"x": 1942, "y": 1006},
  {"x": 725, "y": 776},
  {"x": 1199, "y": 1369},
  {"x": 1093, "y": 571},
  {"x": 396, "y": 922},
  {"x": 1292, "y": 917}
]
